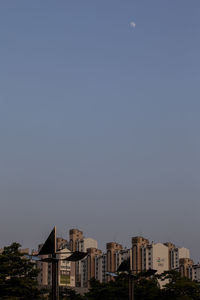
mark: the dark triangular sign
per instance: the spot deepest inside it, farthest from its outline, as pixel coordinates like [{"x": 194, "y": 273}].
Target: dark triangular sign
[
  {"x": 125, "y": 266},
  {"x": 76, "y": 256},
  {"x": 49, "y": 246}
]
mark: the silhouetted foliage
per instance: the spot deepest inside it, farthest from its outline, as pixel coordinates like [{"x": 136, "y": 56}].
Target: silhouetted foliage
[
  {"x": 18, "y": 282},
  {"x": 17, "y": 275},
  {"x": 115, "y": 289},
  {"x": 175, "y": 288},
  {"x": 147, "y": 289},
  {"x": 179, "y": 288},
  {"x": 70, "y": 294}
]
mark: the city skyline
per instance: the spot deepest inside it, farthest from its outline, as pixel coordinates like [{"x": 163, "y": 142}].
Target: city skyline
[
  {"x": 63, "y": 239},
  {"x": 142, "y": 256}
]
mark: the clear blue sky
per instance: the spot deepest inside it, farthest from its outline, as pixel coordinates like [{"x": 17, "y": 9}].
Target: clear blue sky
[{"x": 99, "y": 121}]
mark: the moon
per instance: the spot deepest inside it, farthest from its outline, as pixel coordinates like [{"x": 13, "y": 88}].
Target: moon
[{"x": 132, "y": 24}]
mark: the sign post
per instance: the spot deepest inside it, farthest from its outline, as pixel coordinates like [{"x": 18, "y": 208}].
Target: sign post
[
  {"x": 49, "y": 248},
  {"x": 55, "y": 283}
]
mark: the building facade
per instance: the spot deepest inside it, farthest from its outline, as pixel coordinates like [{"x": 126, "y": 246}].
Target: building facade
[
  {"x": 79, "y": 243},
  {"x": 65, "y": 276},
  {"x": 88, "y": 270},
  {"x": 139, "y": 245},
  {"x": 112, "y": 249},
  {"x": 186, "y": 267},
  {"x": 101, "y": 268},
  {"x": 142, "y": 255}
]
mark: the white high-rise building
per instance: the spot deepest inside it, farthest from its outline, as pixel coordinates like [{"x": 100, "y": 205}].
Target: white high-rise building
[
  {"x": 81, "y": 267},
  {"x": 184, "y": 252},
  {"x": 85, "y": 243},
  {"x": 196, "y": 272},
  {"x": 175, "y": 254},
  {"x": 100, "y": 267},
  {"x": 158, "y": 258},
  {"x": 65, "y": 277},
  {"x": 154, "y": 256}
]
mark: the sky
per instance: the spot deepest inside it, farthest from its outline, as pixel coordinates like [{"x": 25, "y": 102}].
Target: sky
[{"x": 99, "y": 120}]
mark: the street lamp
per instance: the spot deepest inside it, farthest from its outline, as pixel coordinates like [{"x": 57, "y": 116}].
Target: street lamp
[
  {"x": 49, "y": 248},
  {"x": 125, "y": 268}
]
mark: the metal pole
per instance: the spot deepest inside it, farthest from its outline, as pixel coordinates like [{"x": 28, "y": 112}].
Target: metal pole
[
  {"x": 131, "y": 287},
  {"x": 55, "y": 286}
]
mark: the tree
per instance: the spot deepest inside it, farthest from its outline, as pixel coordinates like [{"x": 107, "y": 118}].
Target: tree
[
  {"x": 70, "y": 294},
  {"x": 115, "y": 289},
  {"x": 17, "y": 275},
  {"x": 178, "y": 287},
  {"x": 147, "y": 289}
]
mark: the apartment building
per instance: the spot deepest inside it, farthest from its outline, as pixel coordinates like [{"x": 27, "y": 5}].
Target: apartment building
[
  {"x": 101, "y": 267},
  {"x": 61, "y": 243},
  {"x": 75, "y": 235},
  {"x": 186, "y": 267},
  {"x": 44, "y": 270},
  {"x": 158, "y": 256},
  {"x": 82, "y": 245},
  {"x": 122, "y": 255},
  {"x": 147, "y": 256},
  {"x": 196, "y": 272},
  {"x": 88, "y": 266},
  {"x": 175, "y": 254},
  {"x": 139, "y": 245},
  {"x": 97, "y": 264},
  {"x": 112, "y": 249},
  {"x": 66, "y": 278},
  {"x": 79, "y": 243},
  {"x": 142, "y": 255}
]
